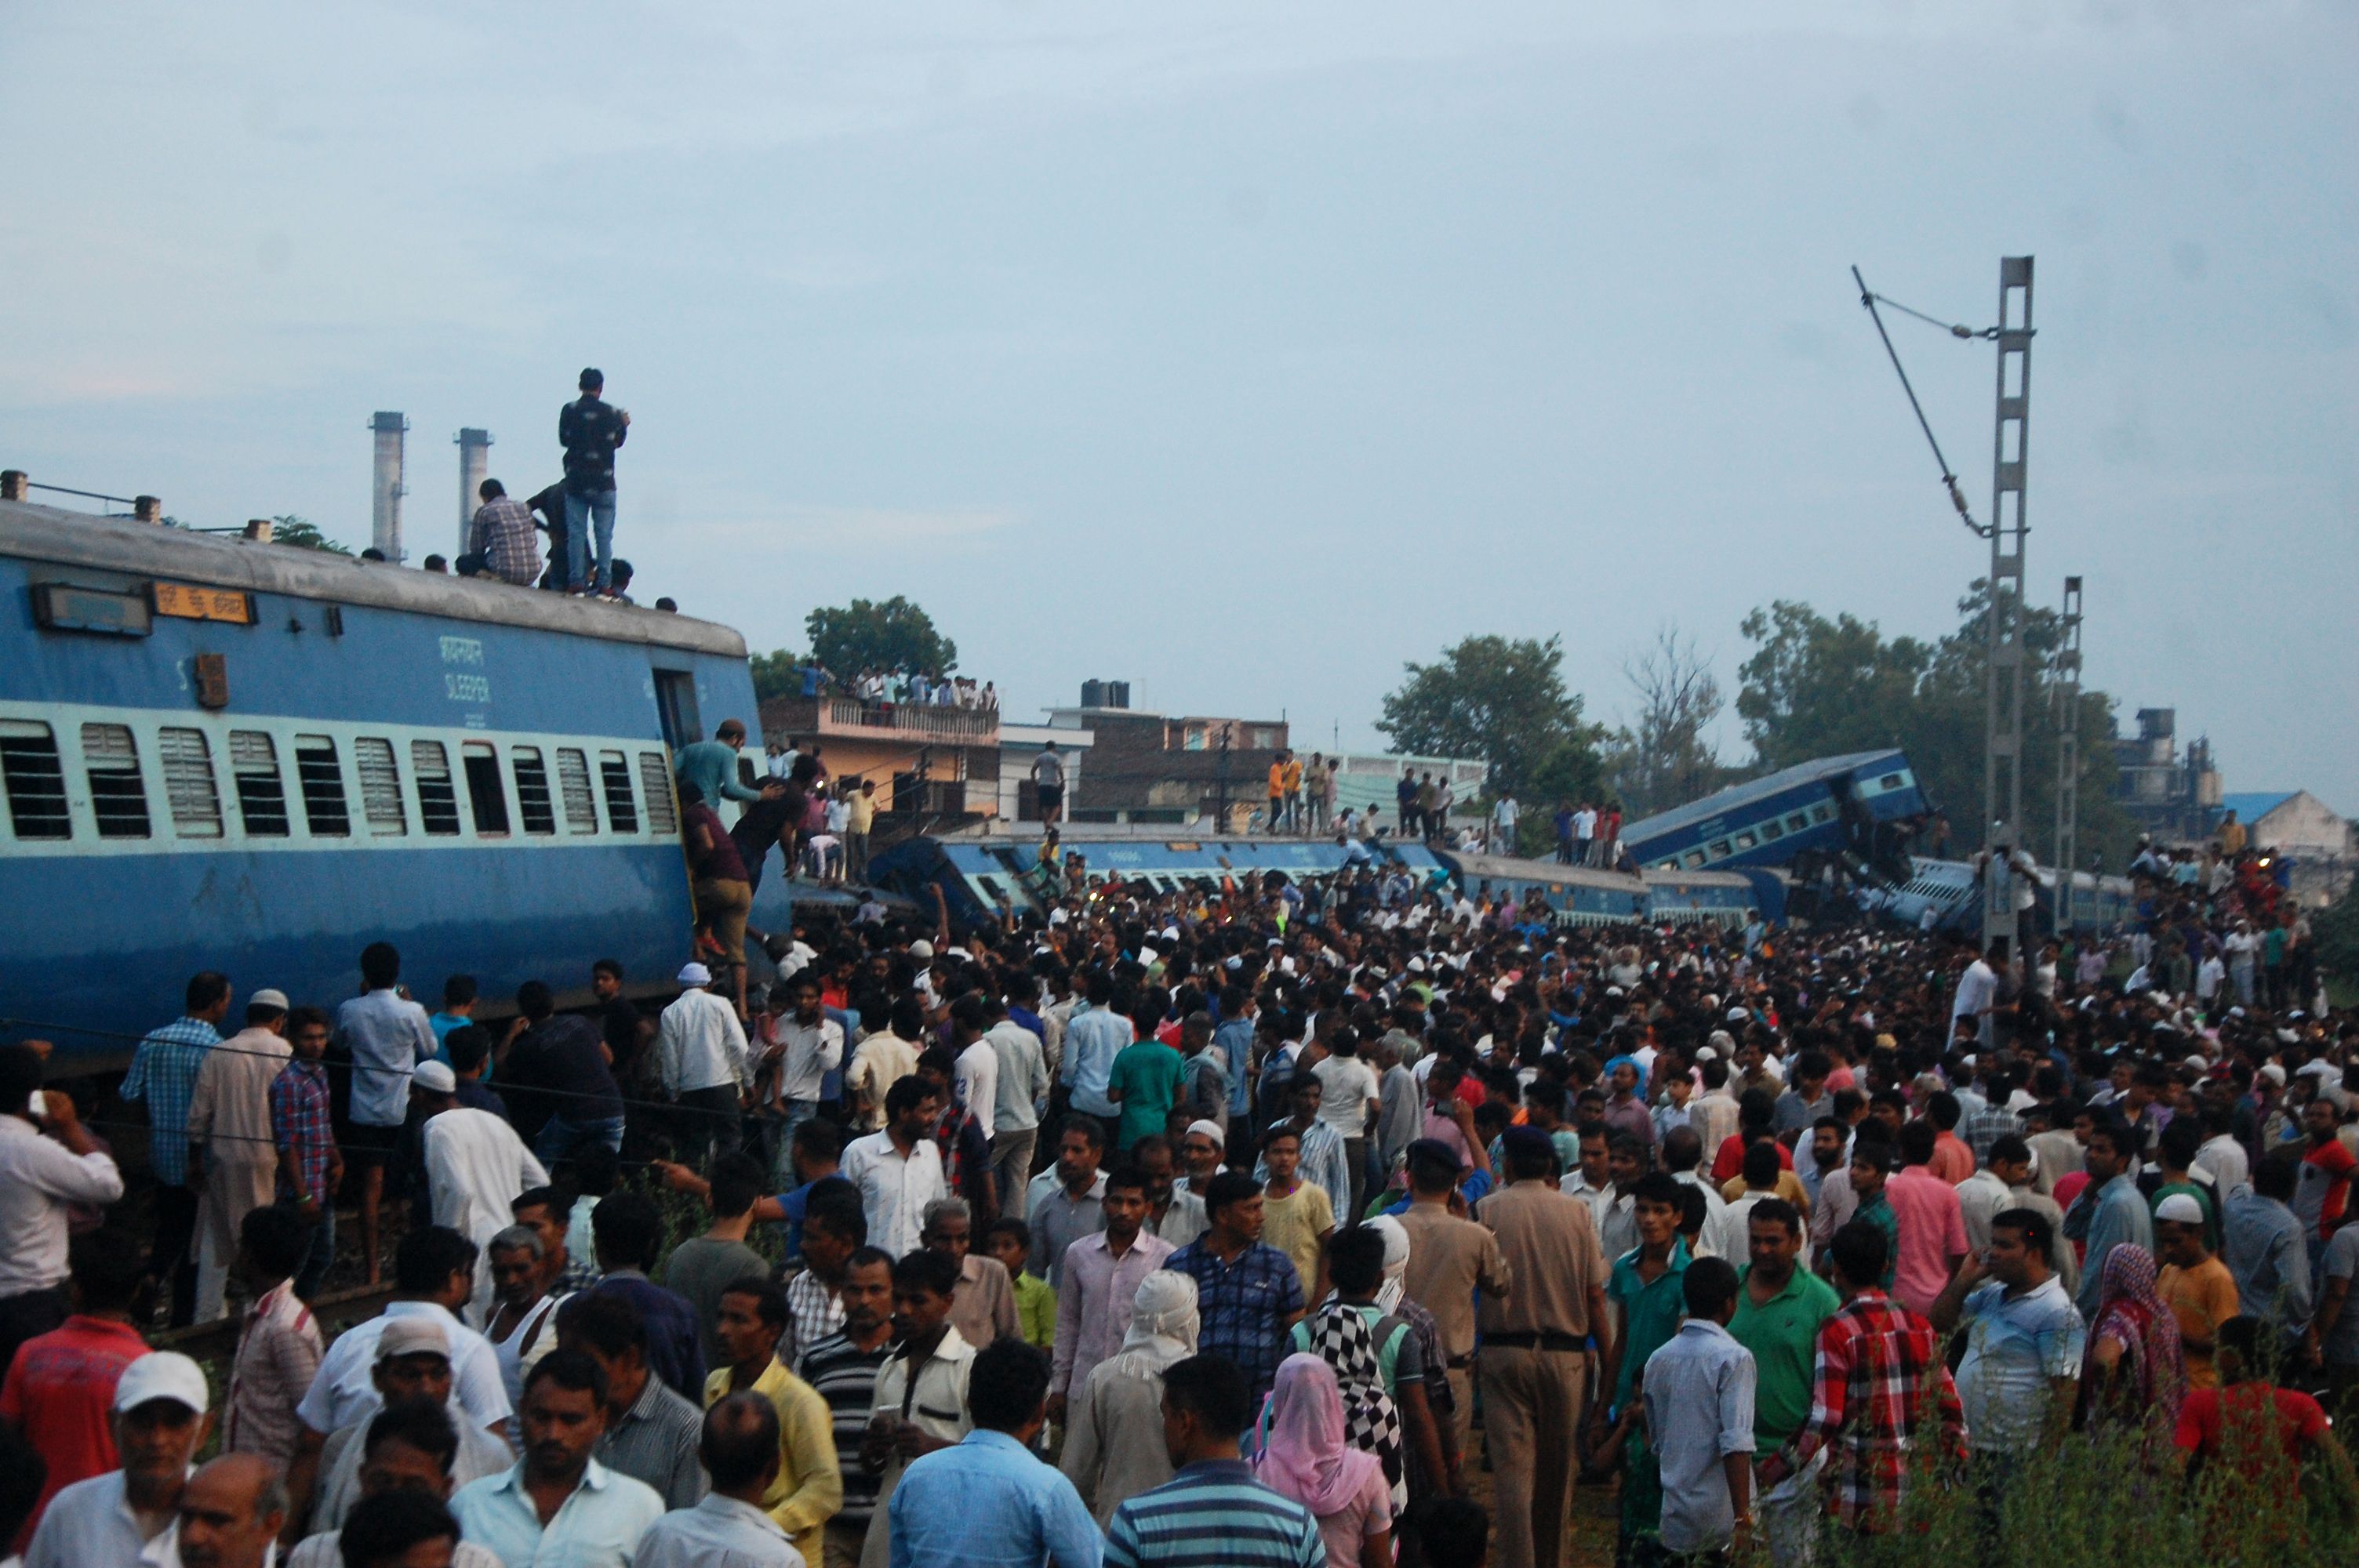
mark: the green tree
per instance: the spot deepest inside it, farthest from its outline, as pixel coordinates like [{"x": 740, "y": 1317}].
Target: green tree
[
  {"x": 1502, "y": 699},
  {"x": 895, "y": 634},
  {"x": 303, "y": 534},
  {"x": 1817, "y": 688},
  {"x": 774, "y": 674},
  {"x": 1664, "y": 758}
]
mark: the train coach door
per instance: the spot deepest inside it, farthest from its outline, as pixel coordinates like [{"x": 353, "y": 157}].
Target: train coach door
[{"x": 676, "y": 707}]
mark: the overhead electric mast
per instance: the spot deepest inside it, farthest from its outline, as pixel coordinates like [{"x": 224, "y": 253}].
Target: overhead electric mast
[{"x": 2003, "y": 707}]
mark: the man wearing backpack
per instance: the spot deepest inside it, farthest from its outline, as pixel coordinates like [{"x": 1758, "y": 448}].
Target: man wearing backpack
[{"x": 591, "y": 430}]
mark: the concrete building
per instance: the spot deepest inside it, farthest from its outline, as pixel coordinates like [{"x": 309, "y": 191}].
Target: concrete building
[
  {"x": 940, "y": 763},
  {"x": 1020, "y": 747},
  {"x": 2316, "y": 844},
  {"x": 1148, "y": 767},
  {"x": 2175, "y": 798}
]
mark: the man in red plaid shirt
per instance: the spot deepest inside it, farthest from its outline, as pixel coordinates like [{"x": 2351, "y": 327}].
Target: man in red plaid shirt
[{"x": 1881, "y": 1384}]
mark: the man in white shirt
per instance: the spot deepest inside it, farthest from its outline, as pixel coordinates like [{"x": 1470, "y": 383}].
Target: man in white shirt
[
  {"x": 39, "y": 1178},
  {"x": 882, "y": 1060},
  {"x": 810, "y": 1045},
  {"x": 1348, "y": 1094},
  {"x": 700, "y": 1054},
  {"x": 387, "y": 1035},
  {"x": 1022, "y": 1090},
  {"x": 1978, "y": 989},
  {"x": 476, "y": 1167},
  {"x": 160, "y": 1420},
  {"x": 899, "y": 1170},
  {"x": 975, "y": 1071},
  {"x": 1504, "y": 813},
  {"x": 433, "y": 1276}
]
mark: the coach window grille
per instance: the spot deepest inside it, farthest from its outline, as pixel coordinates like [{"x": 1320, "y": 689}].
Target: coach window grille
[
  {"x": 380, "y": 786},
  {"x": 532, "y": 789},
  {"x": 573, "y": 785},
  {"x": 35, "y": 780},
  {"x": 118, "y": 796},
  {"x": 188, "y": 786},
  {"x": 655, "y": 777},
  {"x": 261, "y": 791},
  {"x": 622, "y": 809},
  {"x": 326, "y": 811},
  {"x": 438, "y": 797}
]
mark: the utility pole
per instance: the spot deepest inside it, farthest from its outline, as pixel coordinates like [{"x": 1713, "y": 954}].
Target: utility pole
[
  {"x": 1220, "y": 786},
  {"x": 2003, "y": 706},
  {"x": 2003, "y": 728},
  {"x": 2068, "y": 753}
]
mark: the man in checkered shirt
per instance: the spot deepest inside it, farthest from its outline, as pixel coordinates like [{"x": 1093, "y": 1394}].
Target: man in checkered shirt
[
  {"x": 1880, "y": 1387},
  {"x": 503, "y": 534},
  {"x": 164, "y": 1074}
]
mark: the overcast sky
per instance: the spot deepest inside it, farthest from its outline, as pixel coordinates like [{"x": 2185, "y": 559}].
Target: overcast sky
[{"x": 1246, "y": 350}]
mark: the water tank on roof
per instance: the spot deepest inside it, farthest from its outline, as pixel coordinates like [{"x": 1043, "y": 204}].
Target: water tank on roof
[{"x": 1105, "y": 694}]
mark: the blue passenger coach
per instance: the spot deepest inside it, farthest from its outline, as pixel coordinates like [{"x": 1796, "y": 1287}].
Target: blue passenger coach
[
  {"x": 219, "y": 753},
  {"x": 1862, "y": 804}
]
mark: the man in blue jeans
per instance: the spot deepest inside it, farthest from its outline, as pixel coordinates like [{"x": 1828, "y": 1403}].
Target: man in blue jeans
[{"x": 589, "y": 429}]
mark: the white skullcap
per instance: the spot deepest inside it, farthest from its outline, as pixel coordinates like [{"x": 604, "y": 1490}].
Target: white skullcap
[{"x": 1211, "y": 1130}]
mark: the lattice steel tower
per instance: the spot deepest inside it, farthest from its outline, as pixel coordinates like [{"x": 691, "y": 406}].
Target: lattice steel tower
[
  {"x": 2068, "y": 752},
  {"x": 2003, "y": 730}
]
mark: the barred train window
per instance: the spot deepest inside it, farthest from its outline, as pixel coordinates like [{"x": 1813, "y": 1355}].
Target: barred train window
[
  {"x": 261, "y": 791},
  {"x": 35, "y": 781},
  {"x": 189, "y": 786},
  {"x": 655, "y": 776},
  {"x": 380, "y": 786},
  {"x": 321, "y": 776},
  {"x": 614, "y": 774},
  {"x": 574, "y": 784},
  {"x": 532, "y": 789},
  {"x": 437, "y": 798},
  {"x": 117, "y": 793}
]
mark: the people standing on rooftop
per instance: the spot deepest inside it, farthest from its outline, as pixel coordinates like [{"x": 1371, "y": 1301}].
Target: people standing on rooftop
[{"x": 590, "y": 429}]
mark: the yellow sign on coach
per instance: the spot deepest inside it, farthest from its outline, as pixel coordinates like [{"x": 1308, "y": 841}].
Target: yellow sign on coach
[{"x": 192, "y": 603}]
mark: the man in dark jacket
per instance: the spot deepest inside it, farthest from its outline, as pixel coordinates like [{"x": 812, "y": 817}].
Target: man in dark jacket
[{"x": 589, "y": 429}]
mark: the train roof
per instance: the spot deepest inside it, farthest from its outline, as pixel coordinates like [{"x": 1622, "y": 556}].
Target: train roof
[
  {"x": 1768, "y": 784},
  {"x": 70, "y": 539},
  {"x": 1503, "y": 869}
]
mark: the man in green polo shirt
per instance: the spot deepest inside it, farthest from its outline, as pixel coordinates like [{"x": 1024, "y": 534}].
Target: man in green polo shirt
[
  {"x": 1648, "y": 1293},
  {"x": 1779, "y": 1306}
]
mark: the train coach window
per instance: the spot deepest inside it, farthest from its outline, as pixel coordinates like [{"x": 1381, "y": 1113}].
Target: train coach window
[
  {"x": 1822, "y": 812},
  {"x": 189, "y": 786},
  {"x": 380, "y": 786},
  {"x": 485, "y": 792},
  {"x": 261, "y": 793},
  {"x": 438, "y": 799},
  {"x": 117, "y": 793},
  {"x": 1771, "y": 832},
  {"x": 35, "y": 781},
  {"x": 1692, "y": 860},
  {"x": 1889, "y": 781},
  {"x": 1796, "y": 822},
  {"x": 655, "y": 777},
  {"x": 1718, "y": 848},
  {"x": 614, "y": 774},
  {"x": 532, "y": 789},
  {"x": 326, "y": 812},
  {"x": 574, "y": 784}
]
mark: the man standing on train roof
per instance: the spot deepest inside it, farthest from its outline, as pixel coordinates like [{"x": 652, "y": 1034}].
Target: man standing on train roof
[
  {"x": 589, "y": 429},
  {"x": 711, "y": 765}
]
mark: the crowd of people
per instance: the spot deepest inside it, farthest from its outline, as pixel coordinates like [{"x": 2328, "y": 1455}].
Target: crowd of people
[{"x": 1238, "y": 1226}]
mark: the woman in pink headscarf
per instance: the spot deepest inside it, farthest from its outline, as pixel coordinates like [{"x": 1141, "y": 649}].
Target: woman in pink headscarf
[
  {"x": 2138, "y": 1370},
  {"x": 1306, "y": 1457}
]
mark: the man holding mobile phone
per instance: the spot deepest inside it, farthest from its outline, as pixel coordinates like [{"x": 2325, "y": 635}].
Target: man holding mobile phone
[{"x": 48, "y": 1160}]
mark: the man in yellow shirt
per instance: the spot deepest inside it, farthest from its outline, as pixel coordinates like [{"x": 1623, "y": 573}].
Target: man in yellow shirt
[
  {"x": 1277, "y": 819},
  {"x": 861, "y": 817},
  {"x": 1290, "y": 776},
  {"x": 1296, "y": 1217},
  {"x": 810, "y": 1485}
]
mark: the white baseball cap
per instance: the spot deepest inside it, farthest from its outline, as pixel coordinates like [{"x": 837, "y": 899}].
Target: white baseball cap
[{"x": 163, "y": 1375}]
